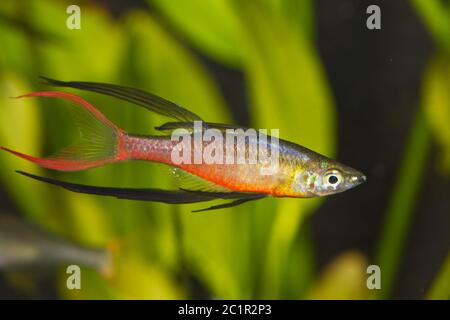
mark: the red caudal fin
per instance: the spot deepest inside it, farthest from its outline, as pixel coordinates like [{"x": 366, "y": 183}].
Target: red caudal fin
[{"x": 100, "y": 143}]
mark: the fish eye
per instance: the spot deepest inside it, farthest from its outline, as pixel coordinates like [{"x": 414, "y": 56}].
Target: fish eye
[{"x": 333, "y": 178}]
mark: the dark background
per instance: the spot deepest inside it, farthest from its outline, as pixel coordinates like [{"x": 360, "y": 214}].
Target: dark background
[{"x": 376, "y": 79}]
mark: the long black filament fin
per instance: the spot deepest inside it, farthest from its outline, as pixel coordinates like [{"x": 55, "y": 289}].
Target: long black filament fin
[
  {"x": 230, "y": 204},
  {"x": 147, "y": 194},
  {"x": 155, "y": 195}
]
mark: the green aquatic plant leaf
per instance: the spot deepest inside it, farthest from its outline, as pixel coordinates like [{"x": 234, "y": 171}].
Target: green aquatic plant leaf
[
  {"x": 20, "y": 129},
  {"x": 299, "y": 14},
  {"x": 437, "y": 105},
  {"x": 92, "y": 52},
  {"x": 213, "y": 26},
  {"x": 440, "y": 288},
  {"x": 343, "y": 279},
  {"x": 436, "y": 16},
  {"x": 16, "y": 54},
  {"x": 210, "y": 25}
]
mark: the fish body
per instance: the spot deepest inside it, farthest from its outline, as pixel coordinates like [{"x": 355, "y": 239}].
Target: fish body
[
  {"x": 301, "y": 172},
  {"x": 297, "y": 171}
]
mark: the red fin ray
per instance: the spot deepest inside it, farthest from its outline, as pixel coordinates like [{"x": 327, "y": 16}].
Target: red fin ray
[{"x": 100, "y": 143}]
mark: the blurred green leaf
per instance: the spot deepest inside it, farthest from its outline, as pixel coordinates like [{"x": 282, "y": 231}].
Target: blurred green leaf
[
  {"x": 93, "y": 52},
  {"x": 299, "y": 269},
  {"x": 287, "y": 84},
  {"x": 170, "y": 71},
  {"x": 440, "y": 289},
  {"x": 298, "y": 13},
  {"x": 210, "y": 25},
  {"x": 437, "y": 104},
  {"x": 138, "y": 279},
  {"x": 93, "y": 286},
  {"x": 20, "y": 130},
  {"x": 213, "y": 26},
  {"x": 16, "y": 54},
  {"x": 343, "y": 279},
  {"x": 436, "y": 16},
  {"x": 437, "y": 109}
]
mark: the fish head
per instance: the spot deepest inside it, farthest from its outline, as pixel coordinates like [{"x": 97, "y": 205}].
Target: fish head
[
  {"x": 326, "y": 177},
  {"x": 337, "y": 178}
]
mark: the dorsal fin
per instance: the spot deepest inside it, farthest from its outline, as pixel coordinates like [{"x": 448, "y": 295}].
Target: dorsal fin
[{"x": 144, "y": 99}]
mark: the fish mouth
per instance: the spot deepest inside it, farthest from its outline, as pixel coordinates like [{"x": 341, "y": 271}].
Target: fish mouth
[{"x": 357, "y": 179}]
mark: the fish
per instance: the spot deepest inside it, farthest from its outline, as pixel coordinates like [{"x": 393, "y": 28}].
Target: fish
[
  {"x": 300, "y": 172},
  {"x": 25, "y": 246}
]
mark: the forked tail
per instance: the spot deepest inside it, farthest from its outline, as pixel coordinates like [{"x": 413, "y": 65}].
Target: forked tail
[{"x": 100, "y": 143}]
